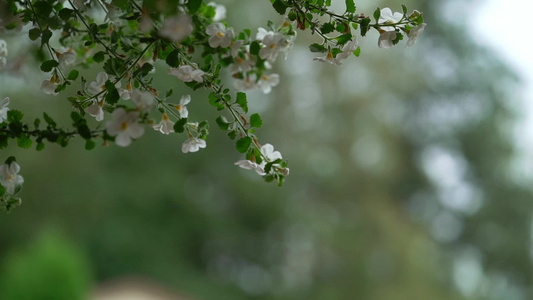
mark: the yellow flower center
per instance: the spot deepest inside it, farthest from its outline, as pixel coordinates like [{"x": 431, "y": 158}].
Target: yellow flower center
[
  {"x": 165, "y": 117},
  {"x": 10, "y": 178},
  {"x": 220, "y": 34},
  {"x": 124, "y": 126},
  {"x": 272, "y": 46},
  {"x": 178, "y": 107}
]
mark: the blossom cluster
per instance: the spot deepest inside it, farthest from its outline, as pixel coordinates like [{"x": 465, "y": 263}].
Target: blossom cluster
[
  {"x": 197, "y": 46},
  {"x": 11, "y": 183},
  {"x": 390, "y": 34}
]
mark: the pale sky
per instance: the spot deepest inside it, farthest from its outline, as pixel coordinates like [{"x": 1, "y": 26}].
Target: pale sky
[{"x": 500, "y": 24}]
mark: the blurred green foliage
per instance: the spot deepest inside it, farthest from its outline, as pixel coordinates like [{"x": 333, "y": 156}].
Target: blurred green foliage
[
  {"x": 400, "y": 185},
  {"x": 47, "y": 268}
]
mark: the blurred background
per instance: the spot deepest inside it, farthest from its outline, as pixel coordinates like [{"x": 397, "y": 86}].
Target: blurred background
[{"x": 410, "y": 179}]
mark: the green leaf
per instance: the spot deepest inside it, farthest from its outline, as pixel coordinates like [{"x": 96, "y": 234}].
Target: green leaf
[
  {"x": 14, "y": 115},
  {"x": 222, "y": 123},
  {"x": 40, "y": 146},
  {"x": 241, "y": 100},
  {"x": 343, "y": 39},
  {"x": 404, "y": 9},
  {"x": 99, "y": 56},
  {"x": 65, "y": 14},
  {"x": 350, "y": 6},
  {"x": 9, "y": 160},
  {"x": 232, "y": 135},
  {"x": 146, "y": 68},
  {"x": 48, "y": 65},
  {"x": 341, "y": 28},
  {"x": 280, "y": 6},
  {"x": 292, "y": 15},
  {"x": 193, "y": 5},
  {"x": 377, "y": 14},
  {"x": 179, "y": 126},
  {"x": 399, "y": 37},
  {"x": 112, "y": 96},
  {"x": 75, "y": 116},
  {"x": 173, "y": 59},
  {"x": 114, "y": 66},
  {"x": 317, "y": 48},
  {"x": 365, "y": 26},
  {"x": 84, "y": 131},
  {"x": 357, "y": 51},
  {"x": 122, "y": 4},
  {"x": 255, "y": 120},
  {"x": 4, "y": 141},
  {"x": 34, "y": 33},
  {"x": 46, "y": 35},
  {"x": 327, "y": 28},
  {"x": 243, "y": 144},
  {"x": 254, "y": 48},
  {"x": 89, "y": 144},
  {"x": 49, "y": 120},
  {"x": 24, "y": 141},
  {"x": 73, "y": 75}
]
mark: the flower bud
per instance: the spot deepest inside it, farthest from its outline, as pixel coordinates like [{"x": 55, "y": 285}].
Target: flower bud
[{"x": 415, "y": 14}]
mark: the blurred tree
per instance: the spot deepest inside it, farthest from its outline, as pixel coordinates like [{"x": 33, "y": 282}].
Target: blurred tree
[
  {"x": 400, "y": 185},
  {"x": 50, "y": 268}
]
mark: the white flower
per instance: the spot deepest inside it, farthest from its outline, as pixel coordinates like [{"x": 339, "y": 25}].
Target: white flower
[
  {"x": 98, "y": 85},
  {"x": 49, "y": 87},
  {"x": 143, "y": 100},
  {"x": 249, "y": 165},
  {"x": 387, "y": 17},
  {"x": 66, "y": 58},
  {"x": 220, "y": 36},
  {"x": 4, "y": 109},
  {"x": 165, "y": 126},
  {"x": 124, "y": 126},
  {"x": 96, "y": 110},
  {"x": 386, "y": 38},
  {"x": 246, "y": 84},
  {"x": 113, "y": 14},
  {"x": 176, "y": 28},
  {"x": 125, "y": 93},
  {"x": 413, "y": 34},
  {"x": 146, "y": 24},
  {"x": 273, "y": 45},
  {"x": 235, "y": 47},
  {"x": 9, "y": 177},
  {"x": 3, "y": 48},
  {"x": 187, "y": 73},
  {"x": 192, "y": 145},
  {"x": 242, "y": 64},
  {"x": 347, "y": 50},
  {"x": 328, "y": 58},
  {"x": 267, "y": 82},
  {"x": 261, "y": 33},
  {"x": 182, "y": 108},
  {"x": 220, "y": 11},
  {"x": 268, "y": 152}
]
